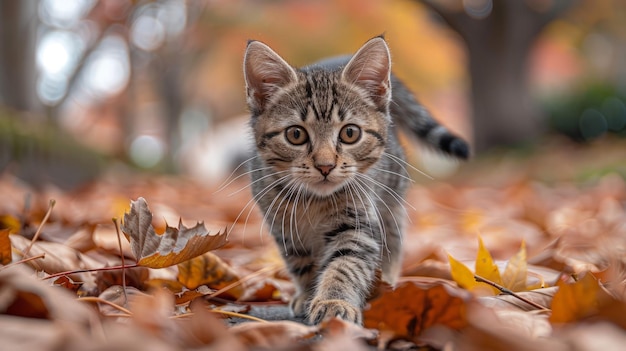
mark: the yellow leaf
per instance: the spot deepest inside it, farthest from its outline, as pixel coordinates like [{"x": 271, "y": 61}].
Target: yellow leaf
[
  {"x": 209, "y": 270},
  {"x": 174, "y": 246},
  {"x": 578, "y": 300},
  {"x": 11, "y": 223},
  {"x": 516, "y": 271},
  {"x": 5, "y": 247},
  {"x": 486, "y": 267},
  {"x": 461, "y": 274}
]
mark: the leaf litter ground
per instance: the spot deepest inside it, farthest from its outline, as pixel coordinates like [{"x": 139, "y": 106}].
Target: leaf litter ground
[{"x": 547, "y": 233}]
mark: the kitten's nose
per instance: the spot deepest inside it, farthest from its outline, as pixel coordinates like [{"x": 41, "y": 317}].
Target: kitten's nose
[{"x": 325, "y": 169}]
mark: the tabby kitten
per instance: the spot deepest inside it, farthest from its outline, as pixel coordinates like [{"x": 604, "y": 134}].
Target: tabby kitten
[{"x": 329, "y": 173}]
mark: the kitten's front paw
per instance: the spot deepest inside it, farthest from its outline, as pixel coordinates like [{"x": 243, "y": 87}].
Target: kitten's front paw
[
  {"x": 322, "y": 309},
  {"x": 298, "y": 304}
]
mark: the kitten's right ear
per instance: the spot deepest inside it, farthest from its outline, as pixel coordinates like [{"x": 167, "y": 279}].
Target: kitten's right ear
[{"x": 265, "y": 73}]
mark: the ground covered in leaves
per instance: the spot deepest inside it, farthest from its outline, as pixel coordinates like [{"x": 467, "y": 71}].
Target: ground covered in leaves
[{"x": 517, "y": 252}]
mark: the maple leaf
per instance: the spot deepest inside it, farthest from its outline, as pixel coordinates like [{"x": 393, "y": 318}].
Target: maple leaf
[
  {"x": 513, "y": 278},
  {"x": 416, "y": 305},
  {"x": 210, "y": 270},
  {"x": 174, "y": 246},
  {"x": 516, "y": 271}
]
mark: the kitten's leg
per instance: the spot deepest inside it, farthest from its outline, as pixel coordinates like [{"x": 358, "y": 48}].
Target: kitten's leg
[
  {"x": 302, "y": 269},
  {"x": 391, "y": 263},
  {"x": 346, "y": 274}
]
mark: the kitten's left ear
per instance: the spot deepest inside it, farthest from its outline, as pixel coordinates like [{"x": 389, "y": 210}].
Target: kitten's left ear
[
  {"x": 265, "y": 73},
  {"x": 370, "y": 69}
]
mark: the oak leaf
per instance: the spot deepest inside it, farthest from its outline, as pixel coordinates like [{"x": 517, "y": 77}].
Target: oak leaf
[
  {"x": 208, "y": 269},
  {"x": 416, "y": 305},
  {"x": 174, "y": 246}
]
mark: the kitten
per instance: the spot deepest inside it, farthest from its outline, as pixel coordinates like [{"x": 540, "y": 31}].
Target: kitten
[{"x": 329, "y": 172}]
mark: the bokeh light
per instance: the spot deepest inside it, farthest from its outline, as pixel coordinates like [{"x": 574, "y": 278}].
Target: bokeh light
[{"x": 146, "y": 151}]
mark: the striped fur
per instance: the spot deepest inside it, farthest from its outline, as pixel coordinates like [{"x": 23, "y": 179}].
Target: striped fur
[{"x": 329, "y": 174}]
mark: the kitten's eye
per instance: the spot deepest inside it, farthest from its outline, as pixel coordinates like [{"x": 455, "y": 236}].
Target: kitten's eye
[
  {"x": 296, "y": 135},
  {"x": 350, "y": 134}
]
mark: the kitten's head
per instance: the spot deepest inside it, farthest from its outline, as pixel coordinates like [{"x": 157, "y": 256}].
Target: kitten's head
[{"x": 320, "y": 127}]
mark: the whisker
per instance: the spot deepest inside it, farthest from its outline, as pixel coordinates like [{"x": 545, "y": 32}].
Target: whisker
[
  {"x": 257, "y": 180},
  {"x": 225, "y": 184},
  {"x": 402, "y": 162}
]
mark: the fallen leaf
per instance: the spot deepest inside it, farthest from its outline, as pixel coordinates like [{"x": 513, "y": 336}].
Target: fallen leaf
[
  {"x": 272, "y": 335},
  {"x": 516, "y": 271},
  {"x": 205, "y": 328},
  {"x": 5, "y": 247},
  {"x": 335, "y": 327},
  {"x": 11, "y": 223},
  {"x": 575, "y": 301},
  {"x": 24, "y": 295},
  {"x": 486, "y": 267},
  {"x": 506, "y": 330},
  {"x": 417, "y": 304},
  {"x": 174, "y": 246},
  {"x": 210, "y": 270},
  {"x": 461, "y": 274}
]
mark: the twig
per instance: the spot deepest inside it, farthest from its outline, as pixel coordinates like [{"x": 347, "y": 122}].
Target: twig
[
  {"x": 238, "y": 315},
  {"x": 509, "y": 292},
  {"x": 242, "y": 280},
  {"x": 60, "y": 274},
  {"x": 100, "y": 300},
  {"x": 227, "y": 313},
  {"x": 119, "y": 242},
  {"x": 36, "y": 236},
  {"x": 43, "y": 255}
]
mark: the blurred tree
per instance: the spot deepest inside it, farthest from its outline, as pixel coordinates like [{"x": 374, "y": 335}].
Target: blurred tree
[
  {"x": 18, "y": 30},
  {"x": 499, "y": 36}
]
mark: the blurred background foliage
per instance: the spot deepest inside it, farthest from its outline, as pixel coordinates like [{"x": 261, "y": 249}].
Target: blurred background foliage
[{"x": 87, "y": 85}]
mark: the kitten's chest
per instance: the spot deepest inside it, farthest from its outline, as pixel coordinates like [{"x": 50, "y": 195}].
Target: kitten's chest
[{"x": 306, "y": 222}]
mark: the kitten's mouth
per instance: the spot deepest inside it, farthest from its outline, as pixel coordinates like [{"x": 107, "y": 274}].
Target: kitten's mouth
[{"x": 325, "y": 187}]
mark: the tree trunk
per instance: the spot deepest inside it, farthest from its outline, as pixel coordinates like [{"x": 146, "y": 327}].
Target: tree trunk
[
  {"x": 498, "y": 45},
  {"x": 18, "y": 29}
]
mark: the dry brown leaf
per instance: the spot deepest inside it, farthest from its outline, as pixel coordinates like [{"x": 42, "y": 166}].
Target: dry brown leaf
[
  {"x": 336, "y": 327},
  {"x": 5, "y": 247},
  {"x": 491, "y": 329},
  {"x": 210, "y": 270},
  {"x": 174, "y": 246},
  {"x": 205, "y": 328},
  {"x": 418, "y": 304},
  {"x": 59, "y": 258},
  {"x": 24, "y": 295},
  {"x": 272, "y": 335}
]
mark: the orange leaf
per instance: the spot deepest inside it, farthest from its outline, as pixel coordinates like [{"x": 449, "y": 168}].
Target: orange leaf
[
  {"x": 209, "y": 270},
  {"x": 486, "y": 267},
  {"x": 578, "y": 300},
  {"x": 516, "y": 271},
  {"x": 5, "y": 247},
  {"x": 174, "y": 246},
  {"x": 416, "y": 305}
]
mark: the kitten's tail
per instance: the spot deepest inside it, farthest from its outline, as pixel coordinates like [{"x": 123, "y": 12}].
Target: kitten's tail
[{"x": 410, "y": 114}]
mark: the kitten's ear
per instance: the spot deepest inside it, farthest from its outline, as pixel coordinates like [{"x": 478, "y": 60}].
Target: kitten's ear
[
  {"x": 370, "y": 69},
  {"x": 265, "y": 73}
]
